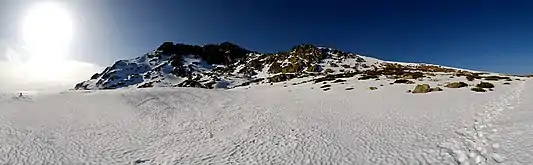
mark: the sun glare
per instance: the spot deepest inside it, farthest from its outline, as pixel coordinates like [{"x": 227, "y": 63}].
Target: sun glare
[{"x": 47, "y": 31}]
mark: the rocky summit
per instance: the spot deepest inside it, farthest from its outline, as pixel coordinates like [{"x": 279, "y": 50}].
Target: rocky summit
[{"x": 227, "y": 65}]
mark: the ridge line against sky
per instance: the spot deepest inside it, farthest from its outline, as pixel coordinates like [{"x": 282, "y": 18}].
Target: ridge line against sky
[{"x": 481, "y": 35}]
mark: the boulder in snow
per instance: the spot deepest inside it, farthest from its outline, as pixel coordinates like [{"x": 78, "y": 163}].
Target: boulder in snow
[{"x": 424, "y": 88}]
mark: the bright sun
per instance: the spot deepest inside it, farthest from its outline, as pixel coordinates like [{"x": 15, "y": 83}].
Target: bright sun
[{"x": 47, "y": 31}]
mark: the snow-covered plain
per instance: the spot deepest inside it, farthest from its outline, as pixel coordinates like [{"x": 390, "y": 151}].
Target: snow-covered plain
[{"x": 270, "y": 124}]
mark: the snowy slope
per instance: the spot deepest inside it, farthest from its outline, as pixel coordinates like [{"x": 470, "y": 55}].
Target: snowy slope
[
  {"x": 208, "y": 66},
  {"x": 272, "y": 124}
]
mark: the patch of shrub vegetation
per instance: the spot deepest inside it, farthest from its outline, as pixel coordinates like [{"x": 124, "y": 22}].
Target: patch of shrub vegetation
[
  {"x": 456, "y": 85},
  {"x": 292, "y": 68},
  {"x": 485, "y": 85},
  {"x": 496, "y": 78},
  {"x": 191, "y": 83},
  {"x": 404, "y": 81},
  {"x": 275, "y": 68},
  {"x": 281, "y": 77},
  {"x": 313, "y": 68},
  {"x": 413, "y": 75},
  {"x": 331, "y": 77}
]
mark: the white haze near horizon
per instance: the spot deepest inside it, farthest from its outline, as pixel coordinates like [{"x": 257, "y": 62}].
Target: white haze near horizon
[{"x": 17, "y": 74}]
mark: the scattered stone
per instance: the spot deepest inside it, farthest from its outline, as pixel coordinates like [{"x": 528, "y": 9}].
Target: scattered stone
[
  {"x": 349, "y": 88},
  {"x": 477, "y": 89},
  {"x": 381, "y": 85},
  {"x": 485, "y": 85},
  {"x": 490, "y": 89},
  {"x": 339, "y": 80},
  {"x": 366, "y": 77},
  {"x": 436, "y": 89},
  {"x": 424, "y": 88},
  {"x": 456, "y": 85},
  {"x": 391, "y": 83},
  {"x": 404, "y": 81},
  {"x": 139, "y": 161},
  {"x": 373, "y": 88},
  {"x": 325, "y": 86},
  {"x": 345, "y": 66},
  {"x": 408, "y": 91},
  {"x": 506, "y": 83},
  {"x": 326, "y": 89}
]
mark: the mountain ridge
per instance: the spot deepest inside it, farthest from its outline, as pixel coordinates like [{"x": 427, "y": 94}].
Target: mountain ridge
[{"x": 227, "y": 65}]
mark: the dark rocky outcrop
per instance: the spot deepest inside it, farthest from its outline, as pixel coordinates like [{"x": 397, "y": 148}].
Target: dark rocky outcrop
[{"x": 203, "y": 66}]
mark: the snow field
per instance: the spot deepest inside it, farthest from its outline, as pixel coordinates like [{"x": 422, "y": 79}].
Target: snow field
[{"x": 297, "y": 124}]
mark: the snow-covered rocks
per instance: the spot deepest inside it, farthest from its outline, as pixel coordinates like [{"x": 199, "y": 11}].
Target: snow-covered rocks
[
  {"x": 191, "y": 65},
  {"x": 226, "y": 66}
]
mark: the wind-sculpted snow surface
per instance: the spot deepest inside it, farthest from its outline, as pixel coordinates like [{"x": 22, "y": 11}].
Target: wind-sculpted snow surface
[{"x": 270, "y": 125}]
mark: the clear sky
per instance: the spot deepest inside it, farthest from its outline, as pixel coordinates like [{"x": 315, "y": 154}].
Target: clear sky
[{"x": 489, "y": 35}]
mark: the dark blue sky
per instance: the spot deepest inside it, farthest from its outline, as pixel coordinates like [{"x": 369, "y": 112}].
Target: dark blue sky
[{"x": 476, "y": 34}]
